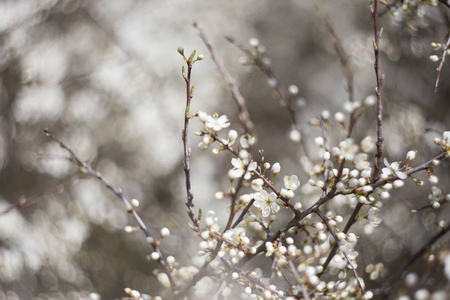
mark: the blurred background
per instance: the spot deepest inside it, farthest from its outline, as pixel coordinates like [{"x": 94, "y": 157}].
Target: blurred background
[{"x": 105, "y": 77}]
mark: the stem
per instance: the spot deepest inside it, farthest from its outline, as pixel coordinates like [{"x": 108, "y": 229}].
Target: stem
[
  {"x": 379, "y": 79},
  {"x": 187, "y": 150}
]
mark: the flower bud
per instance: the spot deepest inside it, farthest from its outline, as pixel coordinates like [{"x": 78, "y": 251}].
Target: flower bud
[
  {"x": 339, "y": 117},
  {"x": 411, "y": 155},
  {"x": 276, "y": 168}
]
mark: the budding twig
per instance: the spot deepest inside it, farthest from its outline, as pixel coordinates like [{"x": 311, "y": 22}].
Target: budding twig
[{"x": 185, "y": 136}]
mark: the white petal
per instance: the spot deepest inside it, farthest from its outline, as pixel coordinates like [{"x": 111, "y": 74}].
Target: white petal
[
  {"x": 401, "y": 175},
  {"x": 275, "y": 207},
  {"x": 237, "y": 163},
  {"x": 266, "y": 211},
  {"x": 386, "y": 163}
]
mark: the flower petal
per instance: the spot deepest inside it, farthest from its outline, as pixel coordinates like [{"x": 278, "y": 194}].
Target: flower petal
[
  {"x": 266, "y": 211},
  {"x": 401, "y": 175},
  {"x": 275, "y": 207},
  {"x": 386, "y": 163}
]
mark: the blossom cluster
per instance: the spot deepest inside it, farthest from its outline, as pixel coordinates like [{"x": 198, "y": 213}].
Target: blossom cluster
[{"x": 344, "y": 167}]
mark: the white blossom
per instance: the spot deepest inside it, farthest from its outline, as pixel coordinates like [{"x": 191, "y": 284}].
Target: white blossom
[
  {"x": 361, "y": 161},
  {"x": 348, "y": 149},
  {"x": 291, "y": 182},
  {"x": 367, "y": 144},
  {"x": 446, "y": 139},
  {"x": 373, "y": 218},
  {"x": 266, "y": 202},
  {"x": 393, "y": 169},
  {"x": 217, "y": 123},
  {"x": 239, "y": 168},
  {"x": 247, "y": 141}
]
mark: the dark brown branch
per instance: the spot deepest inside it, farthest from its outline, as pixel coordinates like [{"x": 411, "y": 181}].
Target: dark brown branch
[
  {"x": 379, "y": 79},
  {"x": 185, "y": 138},
  {"x": 338, "y": 244},
  {"x": 243, "y": 213}
]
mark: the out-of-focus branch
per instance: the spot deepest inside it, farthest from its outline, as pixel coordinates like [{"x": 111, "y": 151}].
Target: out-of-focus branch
[
  {"x": 445, "y": 2},
  {"x": 27, "y": 201},
  {"x": 87, "y": 169},
  {"x": 342, "y": 55},
  {"x": 413, "y": 259},
  {"x": 244, "y": 115},
  {"x": 279, "y": 88},
  {"x": 441, "y": 64}
]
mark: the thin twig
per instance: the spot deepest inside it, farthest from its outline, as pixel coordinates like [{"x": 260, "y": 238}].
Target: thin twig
[
  {"x": 338, "y": 244},
  {"x": 379, "y": 79},
  {"x": 185, "y": 138},
  {"x": 244, "y": 115},
  {"x": 243, "y": 213},
  {"x": 27, "y": 201},
  {"x": 87, "y": 169},
  {"x": 439, "y": 69},
  {"x": 281, "y": 90},
  {"x": 416, "y": 256},
  {"x": 342, "y": 55}
]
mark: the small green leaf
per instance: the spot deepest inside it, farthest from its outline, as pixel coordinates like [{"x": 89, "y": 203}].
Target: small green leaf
[{"x": 192, "y": 55}]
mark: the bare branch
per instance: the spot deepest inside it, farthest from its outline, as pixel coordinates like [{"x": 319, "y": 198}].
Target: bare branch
[
  {"x": 27, "y": 201},
  {"x": 87, "y": 169}
]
